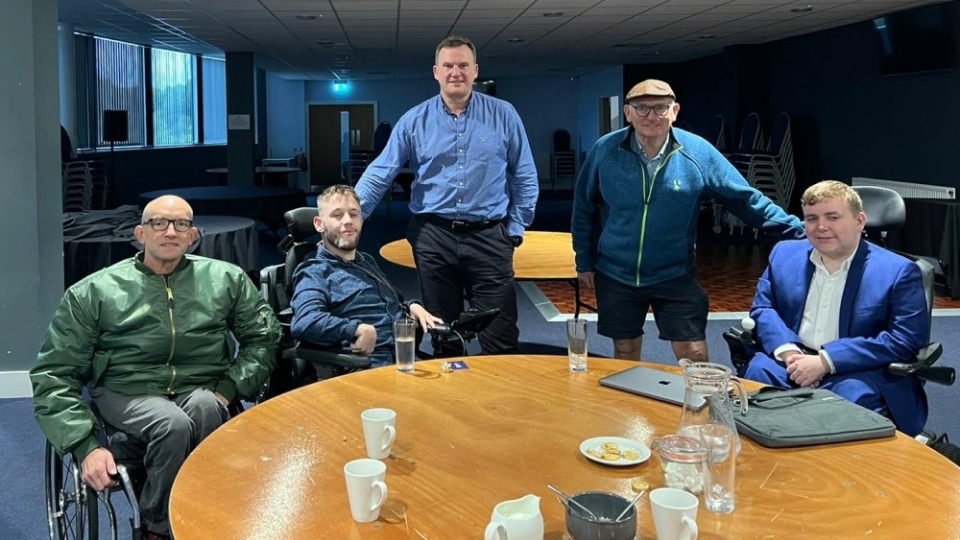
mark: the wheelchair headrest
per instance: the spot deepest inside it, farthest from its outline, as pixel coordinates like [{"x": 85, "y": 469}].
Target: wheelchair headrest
[
  {"x": 300, "y": 223},
  {"x": 884, "y": 207}
]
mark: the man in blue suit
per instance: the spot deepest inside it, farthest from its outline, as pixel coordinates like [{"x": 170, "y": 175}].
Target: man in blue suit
[{"x": 834, "y": 310}]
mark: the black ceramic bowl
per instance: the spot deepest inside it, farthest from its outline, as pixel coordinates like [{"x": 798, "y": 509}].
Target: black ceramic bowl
[{"x": 605, "y": 506}]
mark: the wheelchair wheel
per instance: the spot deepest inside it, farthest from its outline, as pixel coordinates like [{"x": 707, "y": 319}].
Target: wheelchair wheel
[{"x": 71, "y": 506}]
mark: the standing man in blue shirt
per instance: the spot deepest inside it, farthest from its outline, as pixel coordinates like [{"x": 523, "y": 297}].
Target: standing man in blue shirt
[{"x": 474, "y": 194}]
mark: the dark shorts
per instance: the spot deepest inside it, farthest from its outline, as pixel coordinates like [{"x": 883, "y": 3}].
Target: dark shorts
[{"x": 680, "y": 308}]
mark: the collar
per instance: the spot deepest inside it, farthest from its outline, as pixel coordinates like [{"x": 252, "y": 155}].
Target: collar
[{"x": 817, "y": 259}]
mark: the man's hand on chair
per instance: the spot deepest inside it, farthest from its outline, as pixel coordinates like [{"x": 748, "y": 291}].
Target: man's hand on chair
[
  {"x": 97, "y": 469},
  {"x": 423, "y": 317},
  {"x": 365, "y": 339}
]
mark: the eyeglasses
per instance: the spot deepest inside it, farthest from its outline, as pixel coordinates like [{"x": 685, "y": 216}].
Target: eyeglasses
[
  {"x": 162, "y": 223},
  {"x": 644, "y": 110}
]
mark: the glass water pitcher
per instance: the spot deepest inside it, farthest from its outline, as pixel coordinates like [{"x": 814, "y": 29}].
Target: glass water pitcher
[{"x": 707, "y": 397}]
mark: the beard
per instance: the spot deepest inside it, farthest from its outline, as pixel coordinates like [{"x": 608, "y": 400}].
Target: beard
[{"x": 334, "y": 239}]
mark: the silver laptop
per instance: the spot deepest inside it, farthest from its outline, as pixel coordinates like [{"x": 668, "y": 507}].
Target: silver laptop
[{"x": 651, "y": 383}]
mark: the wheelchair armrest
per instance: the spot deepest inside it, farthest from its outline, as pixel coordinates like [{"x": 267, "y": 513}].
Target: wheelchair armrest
[
  {"x": 741, "y": 343},
  {"x": 923, "y": 366},
  {"x": 318, "y": 355}
]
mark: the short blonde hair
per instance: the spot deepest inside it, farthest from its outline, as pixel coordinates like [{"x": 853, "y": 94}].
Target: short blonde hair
[
  {"x": 832, "y": 189},
  {"x": 333, "y": 191}
]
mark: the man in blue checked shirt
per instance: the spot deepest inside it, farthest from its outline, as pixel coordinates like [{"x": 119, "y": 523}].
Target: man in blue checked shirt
[{"x": 474, "y": 194}]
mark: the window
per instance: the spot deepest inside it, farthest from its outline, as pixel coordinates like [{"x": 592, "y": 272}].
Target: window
[
  {"x": 171, "y": 98},
  {"x": 214, "y": 100},
  {"x": 120, "y": 86},
  {"x": 173, "y": 80}
]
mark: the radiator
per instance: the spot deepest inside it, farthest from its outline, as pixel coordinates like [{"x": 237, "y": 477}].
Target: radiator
[{"x": 909, "y": 190}]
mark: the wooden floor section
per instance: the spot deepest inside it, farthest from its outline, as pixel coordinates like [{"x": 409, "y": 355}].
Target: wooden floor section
[{"x": 728, "y": 273}]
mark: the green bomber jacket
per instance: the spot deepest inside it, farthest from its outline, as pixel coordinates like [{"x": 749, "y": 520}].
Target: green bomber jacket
[{"x": 139, "y": 333}]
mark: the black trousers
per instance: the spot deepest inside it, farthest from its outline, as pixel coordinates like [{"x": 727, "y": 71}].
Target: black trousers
[{"x": 467, "y": 265}]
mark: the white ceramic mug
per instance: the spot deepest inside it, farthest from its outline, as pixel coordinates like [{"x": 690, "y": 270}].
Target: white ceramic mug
[
  {"x": 366, "y": 489},
  {"x": 379, "y": 431},
  {"x": 674, "y": 514}
]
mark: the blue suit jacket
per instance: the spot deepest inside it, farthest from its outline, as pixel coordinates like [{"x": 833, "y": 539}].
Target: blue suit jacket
[{"x": 883, "y": 319}]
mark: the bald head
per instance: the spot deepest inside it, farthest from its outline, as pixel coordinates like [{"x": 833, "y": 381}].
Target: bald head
[
  {"x": 165, "y": 204},
  {"x": 166, "y": 231}
]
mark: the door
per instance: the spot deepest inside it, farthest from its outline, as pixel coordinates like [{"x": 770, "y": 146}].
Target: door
[{"x": 324, "y": 132}]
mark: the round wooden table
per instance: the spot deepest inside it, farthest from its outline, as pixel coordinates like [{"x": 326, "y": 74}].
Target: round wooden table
[
  {"x": 508, "y": 426},
  {"x": 543, "y": 256}
]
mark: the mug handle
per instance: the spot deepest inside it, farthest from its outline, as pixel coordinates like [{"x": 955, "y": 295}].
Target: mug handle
[
  {"x": 495, "y": 531},
  {"x": 382, "y": 488},
  {"x": 391, "y": 434},
  {"x": 691, "y": 526}
]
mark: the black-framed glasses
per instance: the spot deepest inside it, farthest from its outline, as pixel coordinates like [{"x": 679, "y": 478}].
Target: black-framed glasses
[
  {"x": 162, "y": 223},
  {"x": 659, "y": 109}
]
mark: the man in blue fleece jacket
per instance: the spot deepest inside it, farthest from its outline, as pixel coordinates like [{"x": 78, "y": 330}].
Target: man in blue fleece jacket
[{"x": 634, "y": 223}]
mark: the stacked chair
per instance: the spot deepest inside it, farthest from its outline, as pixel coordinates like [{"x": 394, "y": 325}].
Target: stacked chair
[
  {"x": 77, "y": 187},
  {"x": 771, "y": 169},
  {"x": 563, "y": 163},
  {"x": 84, "y": 186},
  {"x": 767, "y": 165}
]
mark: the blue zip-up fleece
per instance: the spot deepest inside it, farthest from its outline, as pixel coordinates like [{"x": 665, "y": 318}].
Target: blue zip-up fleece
[
  {"x": 642, "y": 231},
  {"x": 332, "y": 296}
]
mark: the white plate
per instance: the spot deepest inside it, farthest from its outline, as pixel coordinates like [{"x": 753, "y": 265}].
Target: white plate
[{"x": 596, "y": 443}]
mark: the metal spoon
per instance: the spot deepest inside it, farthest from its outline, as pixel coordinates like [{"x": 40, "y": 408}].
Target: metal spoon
[
  {"x": 568, "y": 499},
  {"x": 629, "y": 506}
]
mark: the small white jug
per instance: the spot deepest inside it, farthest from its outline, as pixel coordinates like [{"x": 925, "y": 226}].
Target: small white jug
[{"x": 519, "y": 519}]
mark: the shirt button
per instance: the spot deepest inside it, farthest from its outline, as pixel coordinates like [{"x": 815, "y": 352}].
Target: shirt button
[
  {"x": 461, "y": 166},
  {"x": 460, "y": 150},
  {"x": 459, "y": 201}
]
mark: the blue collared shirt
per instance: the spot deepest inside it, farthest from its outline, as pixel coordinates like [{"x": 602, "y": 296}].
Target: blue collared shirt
[{"x": 473, "y": 166}]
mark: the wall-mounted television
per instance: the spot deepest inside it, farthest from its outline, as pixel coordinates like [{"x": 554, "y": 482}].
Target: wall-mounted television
[{"x": 917, "y": 40}]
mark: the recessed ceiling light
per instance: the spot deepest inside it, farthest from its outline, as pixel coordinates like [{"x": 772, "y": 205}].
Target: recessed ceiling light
[
  {"x": 514, "y": 40},
  {"x": 806, "y": 9},
  {"x": 553, "y": 14},
  {"x": 307, "y": 17},
  {"x": 706, "y": 36}
]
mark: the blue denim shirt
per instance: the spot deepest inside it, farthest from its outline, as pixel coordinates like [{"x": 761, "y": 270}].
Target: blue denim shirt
[
  {"x": 332, "y": 296},
  {"x": 473, "y": 166}
]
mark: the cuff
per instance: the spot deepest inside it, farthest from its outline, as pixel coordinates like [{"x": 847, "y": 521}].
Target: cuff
[
  {"x": 227, "y": 389},
  {"x": 827, "y": 361},
  {"x": 784, "y": 348},
  {"x": 350, "y": 331},
  {"x": 408, "y": 304},
  {"x": 85, "y": 447}
]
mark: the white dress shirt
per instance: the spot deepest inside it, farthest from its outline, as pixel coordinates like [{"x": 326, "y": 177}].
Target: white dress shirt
[{"x": 821, "y": 312}]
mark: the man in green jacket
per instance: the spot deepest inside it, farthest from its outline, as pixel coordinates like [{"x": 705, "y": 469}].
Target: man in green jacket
[{"x": 163, "y": 342}]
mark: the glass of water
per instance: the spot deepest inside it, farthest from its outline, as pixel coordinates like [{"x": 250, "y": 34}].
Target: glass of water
[
  {"x": 719, "y": 467},
  {"x": 405, "y": 336},
  {"x": 577, "y": 344}
]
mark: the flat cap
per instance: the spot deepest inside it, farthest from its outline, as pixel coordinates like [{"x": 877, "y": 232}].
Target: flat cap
[{"x": 650, "y": 88}]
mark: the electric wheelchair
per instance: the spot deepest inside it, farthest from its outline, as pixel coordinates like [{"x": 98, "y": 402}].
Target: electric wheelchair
[
  {"x": 885, "y": 211},
  {"x": 301, "y": 363}
]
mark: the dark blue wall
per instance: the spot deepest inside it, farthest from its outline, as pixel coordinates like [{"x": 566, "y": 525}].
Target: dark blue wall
[{"x": 847, "y": 119}]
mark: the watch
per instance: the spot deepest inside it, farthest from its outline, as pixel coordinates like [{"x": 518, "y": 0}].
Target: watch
[{"x": 517, "y": 240}]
